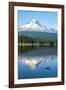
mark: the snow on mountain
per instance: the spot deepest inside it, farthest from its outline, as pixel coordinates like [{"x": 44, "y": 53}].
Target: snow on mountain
[{"x": 35, "y": 25}]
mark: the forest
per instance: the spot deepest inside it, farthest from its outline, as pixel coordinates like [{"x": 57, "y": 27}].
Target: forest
[{"x": 25, "y": 40}]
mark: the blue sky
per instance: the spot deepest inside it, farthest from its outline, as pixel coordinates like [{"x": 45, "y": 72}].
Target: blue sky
[{"x": 45, "y": 18}]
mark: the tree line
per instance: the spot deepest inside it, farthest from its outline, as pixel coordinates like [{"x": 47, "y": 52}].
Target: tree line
[{"x": 29, "y": 40}]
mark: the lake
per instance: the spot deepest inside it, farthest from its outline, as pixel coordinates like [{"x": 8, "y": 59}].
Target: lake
[{"x": 37, "y": 62}]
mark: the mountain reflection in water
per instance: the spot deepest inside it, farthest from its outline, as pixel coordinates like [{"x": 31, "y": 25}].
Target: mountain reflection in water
[{"x": 37, "y": 61}]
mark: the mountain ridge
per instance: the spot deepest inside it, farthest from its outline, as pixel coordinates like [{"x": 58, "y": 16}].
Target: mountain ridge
[{"x": 36, "y": 26}]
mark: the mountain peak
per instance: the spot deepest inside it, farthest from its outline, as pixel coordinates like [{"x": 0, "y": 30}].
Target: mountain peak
[
  {"x": 35, "y": 25},
  {"x": 33, "y": 21}
]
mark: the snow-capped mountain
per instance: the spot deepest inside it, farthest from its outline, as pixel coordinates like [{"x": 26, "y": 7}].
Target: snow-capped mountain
[{"x": 35, "y": 25}]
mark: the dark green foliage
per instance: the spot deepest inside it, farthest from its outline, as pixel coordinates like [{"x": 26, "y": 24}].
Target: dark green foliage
[{"x": 29, "y": 40}]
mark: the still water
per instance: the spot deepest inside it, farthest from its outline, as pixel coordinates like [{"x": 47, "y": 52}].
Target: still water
[{"x": 37, "y": 63}]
